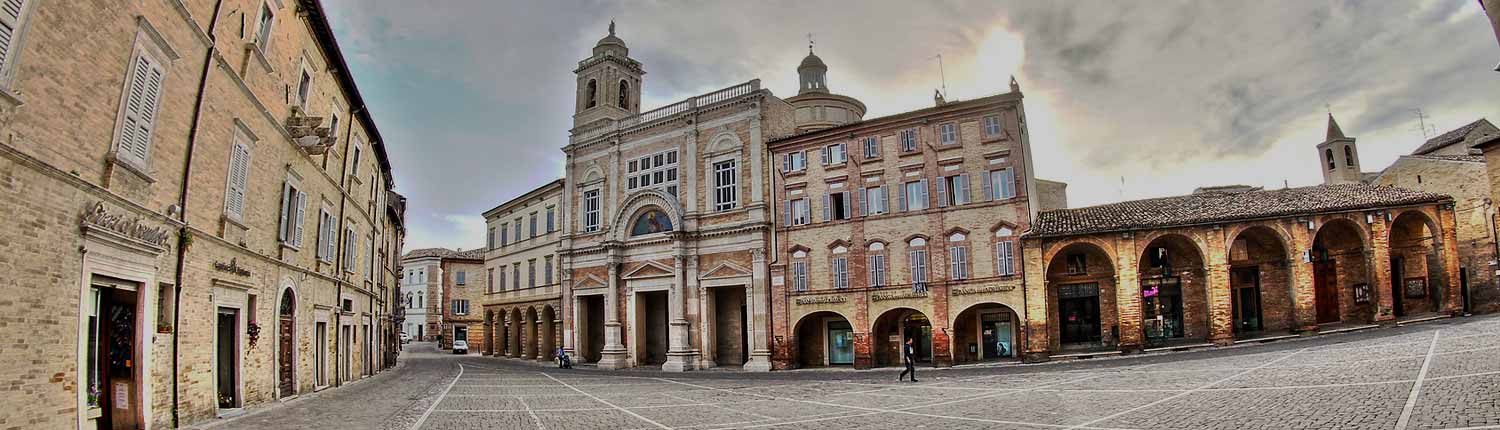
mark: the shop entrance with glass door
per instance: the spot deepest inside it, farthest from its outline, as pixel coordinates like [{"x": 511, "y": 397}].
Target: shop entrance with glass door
[
  {"x": 228, "y": 378},
  {"x": 1247, "y": 309},
  {"x": 113, "y": 388},
  {"x": 1078, "y": 310},
  {"x": 840, "y": 343},
  {"x": 1161, "y": 307},
  {"x": 997, "y": 335}
]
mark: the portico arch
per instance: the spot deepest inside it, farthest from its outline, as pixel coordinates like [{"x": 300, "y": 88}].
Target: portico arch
[
  {"x": 1260, "y": 282},
  {"x": 985, "y": 331},
  {"x": 1418, "y": 280},
  {"x": 824, "y": 338},
  {"x": 1341, "y": 281},
  {"x": 891, "y": 330},
  {"x": 1081, "y": 303},
  {"x": 1174, "y": 289},
  {"x": 642, "y": 202}
]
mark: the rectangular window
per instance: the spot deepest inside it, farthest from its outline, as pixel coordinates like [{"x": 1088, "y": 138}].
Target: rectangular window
[
  {"x": 836, "y": 206},
  {"x": 461, "y": 278},
  {"x": 958, "y": 262},
  {"x": 350, "y": 249},
  {"x": 504, "y": 234},
  {"x": 953, "y": 190},
  {"x": 551, "y": 219},
  {"x": 325, "y": 235},
  {"x": 1005, "y": 257},
  {"x": 138, "y": 113},
  {"x": 840, "y": 271},
  {"x": 304, "y": 88},
  {"x": 515, "y": 276},
  {"x": 239, "y": 177},
  {"x": 919, "y": 270},
  {"x": 547, "y": 270},
  {"x": 835, "y": 154},
  {"x": 725, "y": 185},
  {"x": 799, "y": 276},
  {"x": 333, "y": 122},
  {"x": 293, "y": 204},
  {"x": 800, "y": 213},
  {"x": 872, "y": 147},
  {"x": 491, "y": 241},
  {"x": 915, "y": 195},
  {"x": 909, "y": 140},
  {"x": 531, "y": 273},
  {"x": 354, "y": 161},
  {"x": 877, "y": 270},
  {"x": 501, "y": 281},
  {"x": 992, "y": 126},
  {"x": 948, "y": 133},
  {"x": 1002, "y": 184},
  {"x": 591, "y": 210},
  {"x": 489, "y": 280},
  {"x": 654, "y": 170},
  {"x": 263, "y": 32},
  {"x": 874, "y": 202},
  {"x": 369, "y": 257},
  {"x": 460, "y": 307},
  {"x": 532, "y": 224},
  {"x": 518, "y": 229},
  {"x": 10, "y": 28},
  {"x": 1078, "y": 264},
  {"x": 794, "y": 162}
]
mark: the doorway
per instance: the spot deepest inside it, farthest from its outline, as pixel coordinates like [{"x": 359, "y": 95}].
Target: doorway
[
  {"x": 114, "y": 389},
  {"x": 1325, "y": 287},
  {"x": 285, "y": 344},
  {"x": 1161, "y": 307},
  {"x": 1398, "y": 272},
  {"x": 228, "y": 377},
  {"x": 729, "y": 329},
  {"x": 1246, "y": 300},
  {"x": 1078, "y": 310},
  {"x": 840, "y": 343},
  {"x": 996, "y": 330},
  {"x": 320, "y": 353},
  {"x": 591, "y": 339},
  {"x": 651, "y": 328}
]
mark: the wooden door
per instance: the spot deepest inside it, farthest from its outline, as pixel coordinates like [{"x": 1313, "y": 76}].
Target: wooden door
[
  {"x": 1325, "y": 286},
  {"x": 284, "y": 366}
]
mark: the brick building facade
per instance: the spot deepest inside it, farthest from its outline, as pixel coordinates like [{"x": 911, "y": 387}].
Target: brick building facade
[
  {"x": 219, "y": 234},
  {"x": 463, "y": 283},
  {"x": 523, "y": 301}
]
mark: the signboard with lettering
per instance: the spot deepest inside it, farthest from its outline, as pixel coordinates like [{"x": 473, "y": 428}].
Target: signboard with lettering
[
  {"x": 1415, "y": 287},
  {"x": 1072, "y": 291}
]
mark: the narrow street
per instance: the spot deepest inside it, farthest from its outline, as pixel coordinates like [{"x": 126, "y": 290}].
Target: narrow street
[{"x": 1411, "y": 377}]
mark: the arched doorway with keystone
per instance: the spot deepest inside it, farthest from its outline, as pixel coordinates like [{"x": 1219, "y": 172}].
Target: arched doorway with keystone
[{"x": 892, "y": 330}]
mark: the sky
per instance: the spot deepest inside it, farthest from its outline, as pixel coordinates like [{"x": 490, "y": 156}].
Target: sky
[{"x": 1124, "y": 99}]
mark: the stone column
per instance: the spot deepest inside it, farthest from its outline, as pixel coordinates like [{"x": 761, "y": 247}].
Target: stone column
[
  {"x": 1128, "y": 295},
  {"x": 680, "y": 355},
  {"x": 1303, "y": 289},
  {"x": 1035, "y": 334},
  {"x": 614, "y": 354},
  {"x": 1220, "y": 293},
  {"x": 705, "y": 316},
  {"x": 758, "y": 312},
  {"x": 1379, "y": 253},
  {"x": 568, "y": 312},
  {"x": 1453, "y": 296}
]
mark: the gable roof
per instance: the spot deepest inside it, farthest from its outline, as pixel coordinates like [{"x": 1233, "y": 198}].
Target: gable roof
[
  {"x": 472, "y": 254},
  {"x": 1215, "y": 207},
  {"x": 1451, "y": 137}
]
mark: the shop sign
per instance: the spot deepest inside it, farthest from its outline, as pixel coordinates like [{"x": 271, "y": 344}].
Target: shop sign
[
  {"x": 128, "y": 227},
  {"x": 233, "y": 266},
  {"x": 1078, "y": 290},
  {"x": 899, "y": 296},
  {"x": 821, "y": 300},
  {"x": 982, "y": 290}
]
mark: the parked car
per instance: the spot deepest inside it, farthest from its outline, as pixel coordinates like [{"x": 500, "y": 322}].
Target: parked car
[
  {"x": 405, "y": 338},
  {"x": 460, "y": 347}
]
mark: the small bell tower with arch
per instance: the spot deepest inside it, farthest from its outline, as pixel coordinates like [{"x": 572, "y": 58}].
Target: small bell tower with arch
[{"x": 609, "y": 82}]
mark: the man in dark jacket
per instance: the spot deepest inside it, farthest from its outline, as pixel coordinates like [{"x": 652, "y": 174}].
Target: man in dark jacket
[{"x": 911, "y": 366}]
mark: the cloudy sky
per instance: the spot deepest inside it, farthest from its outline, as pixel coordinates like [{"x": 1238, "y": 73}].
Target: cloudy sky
[{"x": 1125, "y": 99}]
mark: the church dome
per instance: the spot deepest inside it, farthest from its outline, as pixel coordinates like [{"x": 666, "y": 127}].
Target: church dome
[
  {"x": 812, "y": 60},
  {"x": 611, "y": 43}
]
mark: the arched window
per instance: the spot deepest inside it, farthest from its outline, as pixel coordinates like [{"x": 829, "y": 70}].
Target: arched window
[
  {"x": 1348, "y": 156},
  {"x": 1328, "y": 153},
  {"x": 288, "y": 303},
  {"x": 624, "y": 95},
  {"x": 593, "y": 94},
  {"x": 651, "y": 222}
]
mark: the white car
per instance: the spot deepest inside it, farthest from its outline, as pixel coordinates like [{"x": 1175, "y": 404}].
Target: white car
[
  {"x": 405, "y": 338},
  {"x": 460, "y": 347}
]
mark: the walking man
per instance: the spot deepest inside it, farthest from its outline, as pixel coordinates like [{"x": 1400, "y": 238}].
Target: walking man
[{"x": 911, "y": 366}]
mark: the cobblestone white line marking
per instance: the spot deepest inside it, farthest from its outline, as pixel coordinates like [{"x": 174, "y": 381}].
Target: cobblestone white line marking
[
  {"x": 529, "y": 411},
  {"x": 606, "y": 402},
  {"x": 1416, "y": 388},
  {"x": 1184, "y": 393},
  {"x": 439, "y": 399}
]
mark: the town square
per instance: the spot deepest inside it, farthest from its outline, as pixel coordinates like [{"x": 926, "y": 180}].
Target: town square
[{"x": 1009, "y": 214}]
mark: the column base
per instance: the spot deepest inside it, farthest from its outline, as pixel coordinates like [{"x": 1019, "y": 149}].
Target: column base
[
  {"x": 613, "y": 359},
  {"x": 705, "y": 364},
  {"x": 680, "y": 361},
  {"x": 1222, "y": 340},
  {"x": 760, "y": 361},
  {"x": 1036, "y": 357}
]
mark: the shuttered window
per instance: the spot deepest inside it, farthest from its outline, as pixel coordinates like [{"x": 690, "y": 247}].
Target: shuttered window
[
  {"x": 293, "y": 207},
  {"x": 138, "y": 115},
  {"x": 326, "y": 239},
  {"x": 239, "y": 176},
  {"x": 10, "y": 28}
]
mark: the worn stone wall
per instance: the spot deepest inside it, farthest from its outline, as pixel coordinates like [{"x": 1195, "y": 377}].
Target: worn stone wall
[{"x": 1470, "y": 186}]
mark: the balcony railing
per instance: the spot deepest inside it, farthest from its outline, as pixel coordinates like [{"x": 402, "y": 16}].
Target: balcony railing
[{"x": 670, "y": 111}]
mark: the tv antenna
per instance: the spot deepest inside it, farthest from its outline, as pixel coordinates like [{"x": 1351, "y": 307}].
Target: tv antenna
[
  {"x": 942, "y": 75},
  {"x": 1422, "y": 125}
]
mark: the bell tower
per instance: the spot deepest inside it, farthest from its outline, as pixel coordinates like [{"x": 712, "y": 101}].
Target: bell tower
[
  {"x": 609, "y": 82},
  {"x": 1338, "y": 156}
]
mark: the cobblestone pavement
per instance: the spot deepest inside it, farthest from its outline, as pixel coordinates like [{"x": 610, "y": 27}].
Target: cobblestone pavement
[{"x": 1443, "y": 374}]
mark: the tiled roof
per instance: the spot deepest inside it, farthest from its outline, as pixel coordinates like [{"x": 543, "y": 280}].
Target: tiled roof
[
  {"x": 1452, "y": 136},
  {"x": 1212, "y": 207},
  {"x": 1469, "y": 158},
  {"x": 472, "y": 254}
]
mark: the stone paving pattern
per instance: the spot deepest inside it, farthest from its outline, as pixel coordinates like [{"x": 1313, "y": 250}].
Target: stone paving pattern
[{"x": 1362, "y": 380}]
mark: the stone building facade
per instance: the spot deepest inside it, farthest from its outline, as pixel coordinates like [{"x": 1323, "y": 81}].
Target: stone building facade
[
  {"x": 220, "y": 234},
  {"x": 421, "y": 286},
  {"x": 667, "y": 219},
  {"x": 522, "y": 299},
  {"x": 904, "y": 226},
  {"x": 1227, "y": 264},
  {"x": 463, "y": 281}
]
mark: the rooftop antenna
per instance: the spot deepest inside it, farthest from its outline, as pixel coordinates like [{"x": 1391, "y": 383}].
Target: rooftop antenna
[
  {"x": 942, "y": 75},
  {"x": 1422, "y": 123}
]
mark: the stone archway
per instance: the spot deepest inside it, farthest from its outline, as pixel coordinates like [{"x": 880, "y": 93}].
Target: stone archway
[
  {"x": 286, "y": 343},
  {"x": 515, "y": 351},
  {"x": 891, "y": 330},
  {"x": 1260, "y": 282},
  {"x": 1341, "y": 285},
  {"x": 547, "y": 342},
  {"x": 1174, "y": 290},
  {"x": 986, "y": 332},
  {"x": 824, "y": 338},
  {"x": 489, "y": 332},
  {"x": 529, "y": 338},
  {"x": 1081, "y": 303},
  {"x": 1417, "y": 276}
]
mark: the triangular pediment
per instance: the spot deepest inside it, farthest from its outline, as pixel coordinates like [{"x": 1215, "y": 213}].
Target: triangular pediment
[
  {"x": 589, "y": 281},
  {"x": 649, "y": 269},
  {"x": 725, "y": 270}
]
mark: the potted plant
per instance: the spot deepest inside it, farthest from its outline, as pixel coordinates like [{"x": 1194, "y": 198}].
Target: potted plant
[{"x": 253, "y": 331}]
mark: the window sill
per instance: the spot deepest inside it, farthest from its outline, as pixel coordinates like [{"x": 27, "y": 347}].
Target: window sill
[
  {"x": 233, "y": 220},
  {"x": 869, "y": 160},
  {"x": 130, "y": 166},
  {"x": 944, "y": 147},
  {"x": 9, "y": 100},
  {"x": 905, "y": 154},
  {"x": 254, "y": 50}
]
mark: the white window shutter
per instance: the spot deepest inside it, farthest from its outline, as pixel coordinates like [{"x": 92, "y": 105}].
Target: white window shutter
[
  {"x": 864, "y": 204},
  {"x": 10, "y": 22},
  {"x": 239, "y": 165},
  {"x": 901, "y": 198},
  {"x": 786, "y": 214},
  {"x": 142, "y": 96},
  {"x": 963, "y": 189},
  {"x": 287, "y": 199},
  {"x": 987, "y": 187},
  {"x": 786, "y": 163},
  {"x": 848, "y": 204},
  {"x": 301, "y": 208},
  {"x": 827, "y": 209},
  {"x": 885, "y": 198},
  {"x": 942, "y": 186},
  {"x": 926, "y": 202}
]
